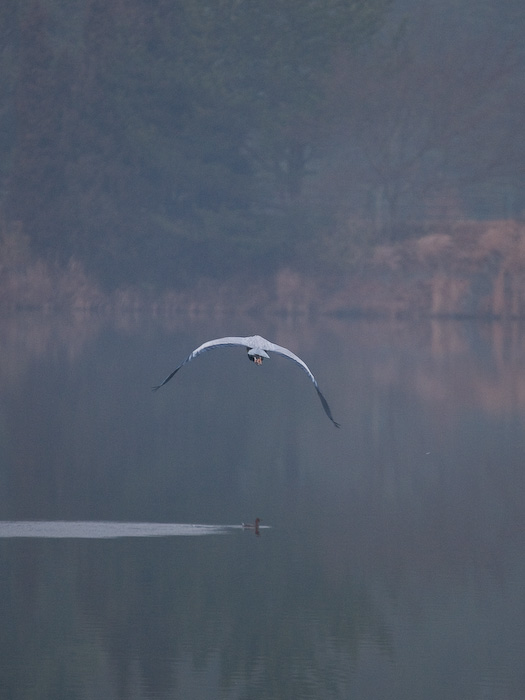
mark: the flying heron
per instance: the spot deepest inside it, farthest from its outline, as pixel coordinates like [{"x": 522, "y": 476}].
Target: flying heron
[{"x": 258, "y": 349}]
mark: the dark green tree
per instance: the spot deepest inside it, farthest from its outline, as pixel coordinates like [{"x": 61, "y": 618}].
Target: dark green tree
[
  {"x": 8, "y": 64},
  {"x": 157, "y": 141},
  {"x": 36, "y": 175}
]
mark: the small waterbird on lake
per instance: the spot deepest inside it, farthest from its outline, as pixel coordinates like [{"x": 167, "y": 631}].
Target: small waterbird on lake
[
  {"x": 252, "y": 526},
  {"x": 258, "y": 349}
]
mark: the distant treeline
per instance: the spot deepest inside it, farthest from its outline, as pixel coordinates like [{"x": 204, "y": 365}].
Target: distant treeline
[{"x": 156, "y": 141}]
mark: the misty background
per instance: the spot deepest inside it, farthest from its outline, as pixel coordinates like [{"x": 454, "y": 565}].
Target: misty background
[
  {"x": 346, "y": 179},
  {"x": 159, "y": 143}
]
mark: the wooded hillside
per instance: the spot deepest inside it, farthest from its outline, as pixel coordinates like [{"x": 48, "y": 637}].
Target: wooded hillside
[{"x": 158, "y": 142}]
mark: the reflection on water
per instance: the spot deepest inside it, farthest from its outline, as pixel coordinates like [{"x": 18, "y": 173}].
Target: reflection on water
[{"x": 394, "y": 566}]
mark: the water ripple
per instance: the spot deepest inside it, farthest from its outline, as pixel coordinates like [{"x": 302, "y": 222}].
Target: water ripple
[{"x": 102, "y": 530}]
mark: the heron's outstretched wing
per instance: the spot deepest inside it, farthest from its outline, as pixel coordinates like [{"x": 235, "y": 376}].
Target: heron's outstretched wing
[
  {"x": 291, "y": 356},
  {"x": 254, "y": 342},
  {"x": 210, "y": 345}
]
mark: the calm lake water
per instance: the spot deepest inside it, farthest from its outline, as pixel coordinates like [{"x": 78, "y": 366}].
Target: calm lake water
[{"x": 392, "y": 561}]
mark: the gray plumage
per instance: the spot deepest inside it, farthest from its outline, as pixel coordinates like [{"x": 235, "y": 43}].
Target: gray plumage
[{"x": 257, "y": 347}]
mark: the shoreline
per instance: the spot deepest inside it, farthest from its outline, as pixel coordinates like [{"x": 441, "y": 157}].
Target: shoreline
[{"x": 475, "y": 271}]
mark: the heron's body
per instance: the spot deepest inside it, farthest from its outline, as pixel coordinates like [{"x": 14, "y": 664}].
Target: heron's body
[{"x": 258, "y": 348}]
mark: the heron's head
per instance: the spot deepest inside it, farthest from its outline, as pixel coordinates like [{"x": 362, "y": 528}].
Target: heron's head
[{"x": 257, "y": 355}]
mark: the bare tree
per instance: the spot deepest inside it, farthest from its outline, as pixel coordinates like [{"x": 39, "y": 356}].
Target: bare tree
[{"x": 429, "y": 109}]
